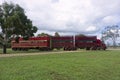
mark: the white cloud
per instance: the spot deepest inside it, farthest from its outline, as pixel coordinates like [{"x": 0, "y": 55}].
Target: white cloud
[
  {"x": 113, "y": 19},
  {"x": 72, "y": 16},
  {"x": 91, "y": 28}
]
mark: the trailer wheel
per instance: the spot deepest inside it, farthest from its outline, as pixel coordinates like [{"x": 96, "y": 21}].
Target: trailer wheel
[
  {"x": 14, "y": 49},
  {"x": 87, "y": 48},
  {"x": 98, "y": 48}
]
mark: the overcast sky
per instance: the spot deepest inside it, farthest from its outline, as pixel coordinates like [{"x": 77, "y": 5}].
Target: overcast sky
[{"x": 71, "y": 16}]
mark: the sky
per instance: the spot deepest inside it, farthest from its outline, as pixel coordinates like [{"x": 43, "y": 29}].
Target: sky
[{"x": 70, "y": 17}]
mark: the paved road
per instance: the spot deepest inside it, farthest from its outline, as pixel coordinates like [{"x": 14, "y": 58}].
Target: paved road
[
  {"x": 40, "y": 53},
  {"x": 113, "y": 49}
]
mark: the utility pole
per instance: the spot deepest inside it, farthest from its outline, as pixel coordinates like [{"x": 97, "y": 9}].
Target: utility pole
[{"x": 74, "y": 41}]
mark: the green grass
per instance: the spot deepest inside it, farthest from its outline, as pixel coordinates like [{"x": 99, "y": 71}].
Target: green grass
[
  {"x": 90, "y": 65},
  {"x": 10, "y": 51}
]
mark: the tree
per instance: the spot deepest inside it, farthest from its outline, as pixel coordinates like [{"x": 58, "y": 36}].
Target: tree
[
  {"x": 57, "y": 34},
  {"x": 13, "y": 21},
  {"x": 82, "y": 35},
  {"x": 1, "y": 39},
  {"x": 43, "y": 34},
  {"x": 111, "y": 32}
]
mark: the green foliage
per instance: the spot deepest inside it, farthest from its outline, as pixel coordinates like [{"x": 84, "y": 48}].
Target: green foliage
[
  {"x": 43, "y": 34},
  {"x": 111, "y": 32},
  {"x": 1, "y": 39},
  {"x": 82, "y": 35},
  {"x": 57, "y": 34},
  {"x": 25, "y": 37},
  {"x": 92, "y": 65},
  {"x": 17, "y": 39},
  {"x": 13, "y": 21}
]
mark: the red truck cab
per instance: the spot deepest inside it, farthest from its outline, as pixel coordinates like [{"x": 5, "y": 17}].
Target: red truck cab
[{"x": 100, "y": 44}]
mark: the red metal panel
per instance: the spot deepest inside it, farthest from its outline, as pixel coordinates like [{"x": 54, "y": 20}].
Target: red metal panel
[
  {"x": 85, "y": 41},
  {"x": 33, "y": 42},
  {"x": 60, "y": 42}
]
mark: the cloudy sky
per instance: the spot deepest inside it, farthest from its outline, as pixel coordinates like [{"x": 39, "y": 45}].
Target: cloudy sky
[{"x": 71, "y": 16}]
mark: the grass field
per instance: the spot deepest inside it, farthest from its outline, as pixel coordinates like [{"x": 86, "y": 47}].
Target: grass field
[
  {"x": 86, "y": 65},
  {"x": 9, "y": 51}
]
